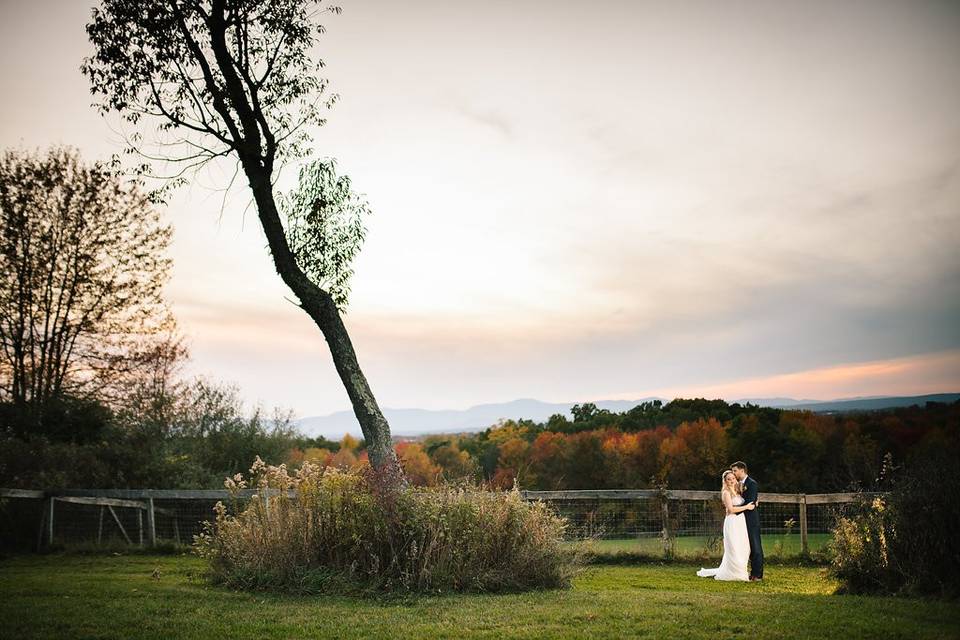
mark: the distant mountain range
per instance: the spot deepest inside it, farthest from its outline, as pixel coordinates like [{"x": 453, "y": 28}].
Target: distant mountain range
[
  {"x": 872, "y": 403},
  {"x": 419, "y": 421},
  {"x": 409, "y": 422}
]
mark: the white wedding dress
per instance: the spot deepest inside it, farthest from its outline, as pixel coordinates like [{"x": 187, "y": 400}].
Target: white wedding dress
[{"x": 736, "y": 548}]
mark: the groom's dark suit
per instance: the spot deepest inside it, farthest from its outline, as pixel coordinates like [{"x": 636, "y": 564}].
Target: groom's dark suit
[{"x": 750, "y": 493}]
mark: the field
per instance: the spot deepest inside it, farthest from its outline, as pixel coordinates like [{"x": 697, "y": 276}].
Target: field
[
  {"x": 142, "y": 596},
  {"x": 774, "y": 546}
]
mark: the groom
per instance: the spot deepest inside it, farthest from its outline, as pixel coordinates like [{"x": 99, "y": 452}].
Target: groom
[{"x": 750, "y": 492}]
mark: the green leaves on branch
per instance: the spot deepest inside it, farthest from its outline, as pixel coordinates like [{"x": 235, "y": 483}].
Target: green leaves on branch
[
  {"x": 218, "y": 79},
  {"x": 325, "y": 227}
]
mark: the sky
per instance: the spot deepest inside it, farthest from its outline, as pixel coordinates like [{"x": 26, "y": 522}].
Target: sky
[{"x": 576, "y": 202}]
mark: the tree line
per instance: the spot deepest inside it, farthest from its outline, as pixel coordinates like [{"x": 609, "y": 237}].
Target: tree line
[{"x": 686, "y": 444}]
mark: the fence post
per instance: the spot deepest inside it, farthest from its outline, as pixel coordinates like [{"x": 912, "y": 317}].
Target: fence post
[
  {"x": 50, "y": 502},
  {"x": 151, "y": 524},
  {"x": 665, "y": 511},
  {"x": 804, "y": 545},
  {"x": 43, "y": 522}
]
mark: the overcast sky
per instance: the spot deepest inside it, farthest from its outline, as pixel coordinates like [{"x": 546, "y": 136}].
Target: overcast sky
[{"x": 582, "y": 201}]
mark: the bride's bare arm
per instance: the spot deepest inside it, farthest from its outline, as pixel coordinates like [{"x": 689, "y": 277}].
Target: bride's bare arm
[{"x": 728, "y": 504}]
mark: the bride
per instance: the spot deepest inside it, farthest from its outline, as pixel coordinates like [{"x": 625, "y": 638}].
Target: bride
[{"x": 736, "y": 545}]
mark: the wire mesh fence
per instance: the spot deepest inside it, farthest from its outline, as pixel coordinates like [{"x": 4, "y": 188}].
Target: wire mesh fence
[
  {"x": 690, "y": 523},
  {"x": 174, "y": 520},
  {"x": 643, "y": 522},
  {"x": 107, "y": 518}
]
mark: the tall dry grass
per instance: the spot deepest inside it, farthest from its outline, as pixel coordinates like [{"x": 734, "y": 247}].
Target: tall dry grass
[{"x": 340, "y": 531}]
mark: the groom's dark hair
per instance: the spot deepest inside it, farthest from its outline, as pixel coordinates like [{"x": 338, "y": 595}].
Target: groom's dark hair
[{"x": 739, "y": 465}]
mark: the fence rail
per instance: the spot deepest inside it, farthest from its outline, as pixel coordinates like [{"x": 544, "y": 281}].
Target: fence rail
[
  {"x": 684, "y": 494},
  {"x": 657, "y": 519},
  {"x": 620, "y": 519}
]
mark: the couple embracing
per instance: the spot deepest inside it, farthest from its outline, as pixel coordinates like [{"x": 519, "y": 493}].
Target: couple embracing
[{"x": 741, "y": 528}]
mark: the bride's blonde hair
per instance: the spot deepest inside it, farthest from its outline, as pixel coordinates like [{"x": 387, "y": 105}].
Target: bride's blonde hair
[{"x": 723, "y": 483}]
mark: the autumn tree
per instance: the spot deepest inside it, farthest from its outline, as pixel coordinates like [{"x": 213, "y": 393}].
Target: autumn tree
[
  {"x": 417, "y": 465},
  {"x": 455, "y": 463},
  {"x": 237, "y": 79},
  {"x": 82, "y": 266},
  {"x": 548, "y": 453},
  {"x": 318, "y": 456},
  {"x": 512, "y": 463},
  {"x": 585, "y": 462},
  {"x": 695, "y": 454},
  {"x": 343, "y": 459}
]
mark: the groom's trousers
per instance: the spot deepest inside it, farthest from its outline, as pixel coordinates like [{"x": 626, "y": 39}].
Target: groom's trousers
[{"x": 756, "y": 549}]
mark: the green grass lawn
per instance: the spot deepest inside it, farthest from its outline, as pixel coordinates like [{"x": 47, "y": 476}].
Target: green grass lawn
[
  {"x": 695, "y": 546},
  {"x": 71, "y": 596}
]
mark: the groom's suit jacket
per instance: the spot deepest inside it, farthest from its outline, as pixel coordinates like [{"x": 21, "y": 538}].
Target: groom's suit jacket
[{"x": 750, "y": 494}]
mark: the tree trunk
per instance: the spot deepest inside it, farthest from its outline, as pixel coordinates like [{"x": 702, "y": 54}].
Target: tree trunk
[
  {"x": 320, "y": 306},
  {"x": 246, "y": 123}
]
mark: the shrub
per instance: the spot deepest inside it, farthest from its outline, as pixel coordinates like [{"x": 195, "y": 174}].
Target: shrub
[
  {"x": 342, "y": 532},
  {"x": 861, "y": 549},
  {"x": 906, "y": 541}
]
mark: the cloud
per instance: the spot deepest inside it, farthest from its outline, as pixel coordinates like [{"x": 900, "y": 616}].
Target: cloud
[
  {"x": 489, "y": 119},
  {"x": 914, "y": 375},
  {"x": 636, "y": 198}
]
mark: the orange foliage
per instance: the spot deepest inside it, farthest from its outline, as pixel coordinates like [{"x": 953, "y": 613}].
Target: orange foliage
[
  {"x": 512, "y": 462},
  {"x": 343, "y": 459},
  {"x": 788, "y": 450},
  {"x": 417, "y": 466},
  {"x": 633, "y": 457},
  {"x": 694, "y": 454},
  {"x": 503, "y": 478},
  {"x": 349, "y": 442},
  {"x": 454, "y": 462},
  {"x": 318, "y": 456},
  {"x": 295, "y": 457}
]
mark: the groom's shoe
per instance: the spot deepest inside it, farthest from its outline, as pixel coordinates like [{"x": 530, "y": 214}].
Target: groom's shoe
[{"x": 755, "y": 579}]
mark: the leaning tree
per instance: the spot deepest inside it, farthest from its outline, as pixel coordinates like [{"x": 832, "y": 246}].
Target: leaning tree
[{"x": 239, "y": 79}]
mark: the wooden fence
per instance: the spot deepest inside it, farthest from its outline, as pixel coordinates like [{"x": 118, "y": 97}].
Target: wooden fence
[
  {"x": 803, "y": 500},
  {"x": 143, "y": 501}
]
